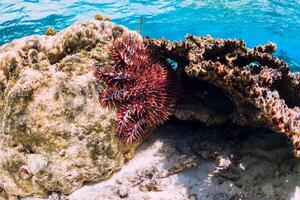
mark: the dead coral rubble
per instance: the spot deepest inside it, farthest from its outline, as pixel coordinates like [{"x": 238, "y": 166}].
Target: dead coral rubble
[{"x": 226, "y": 81}]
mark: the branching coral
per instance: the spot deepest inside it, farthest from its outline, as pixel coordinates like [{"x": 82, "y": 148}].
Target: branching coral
[
  {"x": 140, "y": 86},
  {"x": 226, "y": 81}
]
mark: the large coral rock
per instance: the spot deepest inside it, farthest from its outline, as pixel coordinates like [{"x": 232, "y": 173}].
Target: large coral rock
[
  {"x": 54, "y": 134},
  {"x": 224, "y": 81}
]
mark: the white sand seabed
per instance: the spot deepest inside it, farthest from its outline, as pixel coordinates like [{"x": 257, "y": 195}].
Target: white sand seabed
[{"x": 192, "y": 162}]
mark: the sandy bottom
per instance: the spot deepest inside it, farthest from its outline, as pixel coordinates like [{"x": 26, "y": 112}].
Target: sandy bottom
[{"x": 188, "y": 161}]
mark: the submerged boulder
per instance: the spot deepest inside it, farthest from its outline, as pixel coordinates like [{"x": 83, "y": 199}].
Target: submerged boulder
[{"x": 54, "y": 134}]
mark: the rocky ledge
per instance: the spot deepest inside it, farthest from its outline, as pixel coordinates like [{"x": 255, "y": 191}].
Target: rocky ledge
[{"x": 224, "y": 81}]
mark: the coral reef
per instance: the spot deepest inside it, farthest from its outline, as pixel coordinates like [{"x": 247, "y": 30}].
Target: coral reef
[
  {"x": 226, "y": 81},
  {"x": 54, "y": 135},
  {"x": 140, "y": 85}
]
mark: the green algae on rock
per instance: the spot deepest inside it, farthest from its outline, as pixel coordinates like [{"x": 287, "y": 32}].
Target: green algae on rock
[{"x": 54, "y": 135}]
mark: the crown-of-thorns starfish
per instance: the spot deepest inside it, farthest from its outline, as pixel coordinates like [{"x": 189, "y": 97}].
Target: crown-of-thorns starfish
[{"x": 140, "y": 86}]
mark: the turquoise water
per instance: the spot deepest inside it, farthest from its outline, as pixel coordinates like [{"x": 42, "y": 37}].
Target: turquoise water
[{"x": 255, "y": 21}]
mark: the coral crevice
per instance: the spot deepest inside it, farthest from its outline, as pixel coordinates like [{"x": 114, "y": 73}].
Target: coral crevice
[{"x": 226, "y": 81}]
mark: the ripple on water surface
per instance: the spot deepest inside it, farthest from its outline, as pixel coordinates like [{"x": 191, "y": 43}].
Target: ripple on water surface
[{"x": 255, "y": 21}]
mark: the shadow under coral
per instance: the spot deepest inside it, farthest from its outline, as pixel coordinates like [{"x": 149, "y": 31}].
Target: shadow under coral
[
  {"x": 235, "y": 162},
  {"x": 187, "y": 160}
]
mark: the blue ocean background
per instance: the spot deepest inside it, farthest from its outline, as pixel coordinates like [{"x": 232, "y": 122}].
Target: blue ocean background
[{"x": 255, "y": 21}]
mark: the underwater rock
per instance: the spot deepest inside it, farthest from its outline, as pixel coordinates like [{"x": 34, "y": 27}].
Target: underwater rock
[
  {"x": 224, "y": 81},
  {"x": 54, "y": 134}
]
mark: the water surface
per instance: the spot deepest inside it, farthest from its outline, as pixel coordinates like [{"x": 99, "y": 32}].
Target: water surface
[{"x": 256, "y": 21}]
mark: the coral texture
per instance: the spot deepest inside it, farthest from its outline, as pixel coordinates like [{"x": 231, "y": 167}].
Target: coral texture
[
  {"x": 54, "y": 135},
  {"x": 226, "y": 81},
  {"x": 140, "y": 86}
]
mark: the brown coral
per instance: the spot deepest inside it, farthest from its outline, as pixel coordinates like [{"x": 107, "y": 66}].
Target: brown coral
[{"x": 226, "y": 81}]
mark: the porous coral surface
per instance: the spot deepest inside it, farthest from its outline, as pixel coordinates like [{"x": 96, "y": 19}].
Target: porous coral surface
[
  {"x": 54, "y": 134},
  {"x": 224, "y": 81}
]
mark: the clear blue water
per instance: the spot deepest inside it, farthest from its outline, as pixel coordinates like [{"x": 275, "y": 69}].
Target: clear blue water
[{"x": 255, "y": 21}]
